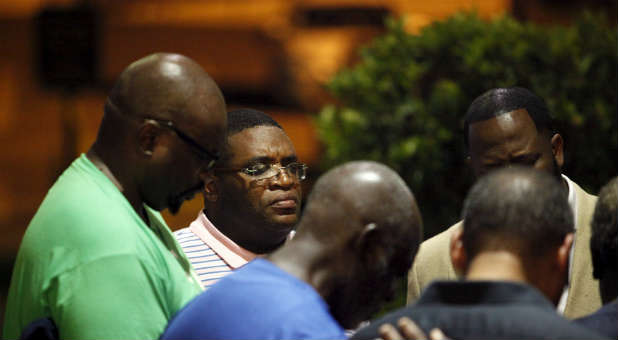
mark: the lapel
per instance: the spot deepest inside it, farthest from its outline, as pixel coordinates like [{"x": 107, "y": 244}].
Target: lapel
[{"x": 584, "y": 297}]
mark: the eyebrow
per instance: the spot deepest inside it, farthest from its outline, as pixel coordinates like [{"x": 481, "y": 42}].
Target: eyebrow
[
  {"x": 516, "y": 159},
  {"x": 266, "y": 159}
]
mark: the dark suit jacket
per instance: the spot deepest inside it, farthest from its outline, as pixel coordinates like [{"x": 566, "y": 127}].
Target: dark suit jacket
[
  {"x": 603, "y": 321},
  {"x": 484, "y": 310}
]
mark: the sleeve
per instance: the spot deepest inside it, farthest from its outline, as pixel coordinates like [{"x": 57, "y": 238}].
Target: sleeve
[{"x": 114, "y": 297}]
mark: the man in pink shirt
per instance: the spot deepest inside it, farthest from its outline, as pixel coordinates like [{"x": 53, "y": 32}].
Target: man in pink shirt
[{"x": 251, "y": 200}]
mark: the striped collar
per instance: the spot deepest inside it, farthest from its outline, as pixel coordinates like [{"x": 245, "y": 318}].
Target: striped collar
[{"x": 234, "y": 255}]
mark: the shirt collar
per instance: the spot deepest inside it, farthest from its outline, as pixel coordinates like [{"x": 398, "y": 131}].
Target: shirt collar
[
  {"x": 233, "y": 254},
  {"x": 572, "y": 197},
  {"x": 482, "y": 292}
]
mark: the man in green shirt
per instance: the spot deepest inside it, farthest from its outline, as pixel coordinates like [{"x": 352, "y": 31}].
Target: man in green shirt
[{"x": 97, "y": 258}]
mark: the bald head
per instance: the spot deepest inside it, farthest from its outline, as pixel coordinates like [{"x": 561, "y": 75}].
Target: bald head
[
  {"x": 171, "y": 87},
  {"x": 161, "y": 84},
  {"x": 363, "y": 222},
  {"x": 361, "y": 193},
  {"x": 518, "y": 209},
  {"x": 165, "y": 120}
]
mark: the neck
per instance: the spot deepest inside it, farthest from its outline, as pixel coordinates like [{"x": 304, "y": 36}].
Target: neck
[
  {"x": 304, "y": 259},
  {"x": 104, "y": 162},
  {"x": 502, "y": 265},
  {"x": 240, "y": 231},
  {"x": 496, "y": 266}
]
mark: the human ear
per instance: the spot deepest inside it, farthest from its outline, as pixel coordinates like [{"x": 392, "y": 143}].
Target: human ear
[
  {"x": 459, "y": 258},
  {"x": 562, "y": 255},
  {"x": 557, "y": 148},
  {"x": 148, "y": 136},
  {"x": 370, "y": 247},
  {"x": 211, "y": 190}
]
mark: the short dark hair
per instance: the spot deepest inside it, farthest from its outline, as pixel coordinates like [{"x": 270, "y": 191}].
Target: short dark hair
[
  {"x": 604, "y": 225},
  {"x": 241, "y": 119},
  {"x": 499, "y": 101},
  {"x": 519, "y": 209}
]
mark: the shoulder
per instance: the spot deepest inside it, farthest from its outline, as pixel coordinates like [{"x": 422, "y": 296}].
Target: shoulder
[
  {"x": 437, "y": 247},
  {"x": 585, "y": 201},
  {"x": 84, "y": 219},
  {"x": 603, "y": 320},
  {"x": 270, "y": 303},
  {"x": 81, "y": 202},
  {"x": 261, "y": 280},
  {"x": 432, "y": 262},
  {"x": 441, "y": 238},
  {"x": 309, "y": 322}
]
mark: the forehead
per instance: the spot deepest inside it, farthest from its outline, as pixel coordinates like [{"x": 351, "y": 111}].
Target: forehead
[
  {"x": 512, "y": 127},
  {"x": 205, "y": 119},
  {"x": 260, "y": 141}
]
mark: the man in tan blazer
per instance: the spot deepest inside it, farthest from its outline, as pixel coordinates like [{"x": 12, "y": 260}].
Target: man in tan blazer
[{"x": 503, "y": 127}]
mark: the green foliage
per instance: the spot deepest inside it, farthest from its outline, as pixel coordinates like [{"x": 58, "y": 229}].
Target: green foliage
[{"x": 404, "y": 103}]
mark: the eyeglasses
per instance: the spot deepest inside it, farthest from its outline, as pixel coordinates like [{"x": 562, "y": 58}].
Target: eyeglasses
[
  {"x": 264, "y": 171},
  {"x": 206, "y": 156}
]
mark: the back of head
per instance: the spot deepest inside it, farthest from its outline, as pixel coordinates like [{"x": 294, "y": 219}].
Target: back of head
[
  {"x": 499, "y": 101},
  {"x": 604, "y": 240},
  {"x": 358, "y": 194},
  {"x": 160, "y": 84},
  {"x": 368, "y": 227},
  {"x": 518, "y": 209}
]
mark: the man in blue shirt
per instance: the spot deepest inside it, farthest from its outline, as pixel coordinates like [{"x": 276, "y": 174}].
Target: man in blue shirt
[{"x": 360, "y": 231}]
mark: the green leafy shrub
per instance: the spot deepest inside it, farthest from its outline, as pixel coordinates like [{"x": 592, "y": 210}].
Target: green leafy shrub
[{"x": 403, "y": 103}]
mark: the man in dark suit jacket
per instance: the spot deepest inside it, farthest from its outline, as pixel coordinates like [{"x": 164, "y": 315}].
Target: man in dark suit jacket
[{"x": 513, "y": 250}]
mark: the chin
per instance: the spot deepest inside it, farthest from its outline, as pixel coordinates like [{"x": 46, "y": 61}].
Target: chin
[
  {"x": 174, "y": 206},
  {"x": 283, "y": 224}
]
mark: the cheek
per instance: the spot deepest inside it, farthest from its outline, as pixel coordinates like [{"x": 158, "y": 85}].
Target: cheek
[{"x": 255, "y": 196}]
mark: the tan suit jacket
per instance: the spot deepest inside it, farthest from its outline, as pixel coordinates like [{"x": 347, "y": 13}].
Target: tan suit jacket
[{"x": 433, "y": 262}]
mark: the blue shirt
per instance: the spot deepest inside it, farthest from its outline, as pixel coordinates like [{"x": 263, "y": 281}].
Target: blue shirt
[{"x": 258, "y": 301}]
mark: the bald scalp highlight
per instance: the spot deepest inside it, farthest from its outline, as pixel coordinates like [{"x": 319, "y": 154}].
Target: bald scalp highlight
[
  {"x": 159, "y": 86},
  {"x": 359, "y": 193}
]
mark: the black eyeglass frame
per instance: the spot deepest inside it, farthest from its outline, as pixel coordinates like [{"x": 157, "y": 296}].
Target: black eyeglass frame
[
  {"x": 250, "y": 172},
  {"x": 203, "y": 153}
]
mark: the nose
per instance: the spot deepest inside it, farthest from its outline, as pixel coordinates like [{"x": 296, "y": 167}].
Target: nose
[{"x": 283, "y": 178}]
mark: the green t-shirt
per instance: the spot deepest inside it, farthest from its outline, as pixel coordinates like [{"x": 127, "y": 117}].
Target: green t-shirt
[{"x": 90, "y": 263}]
